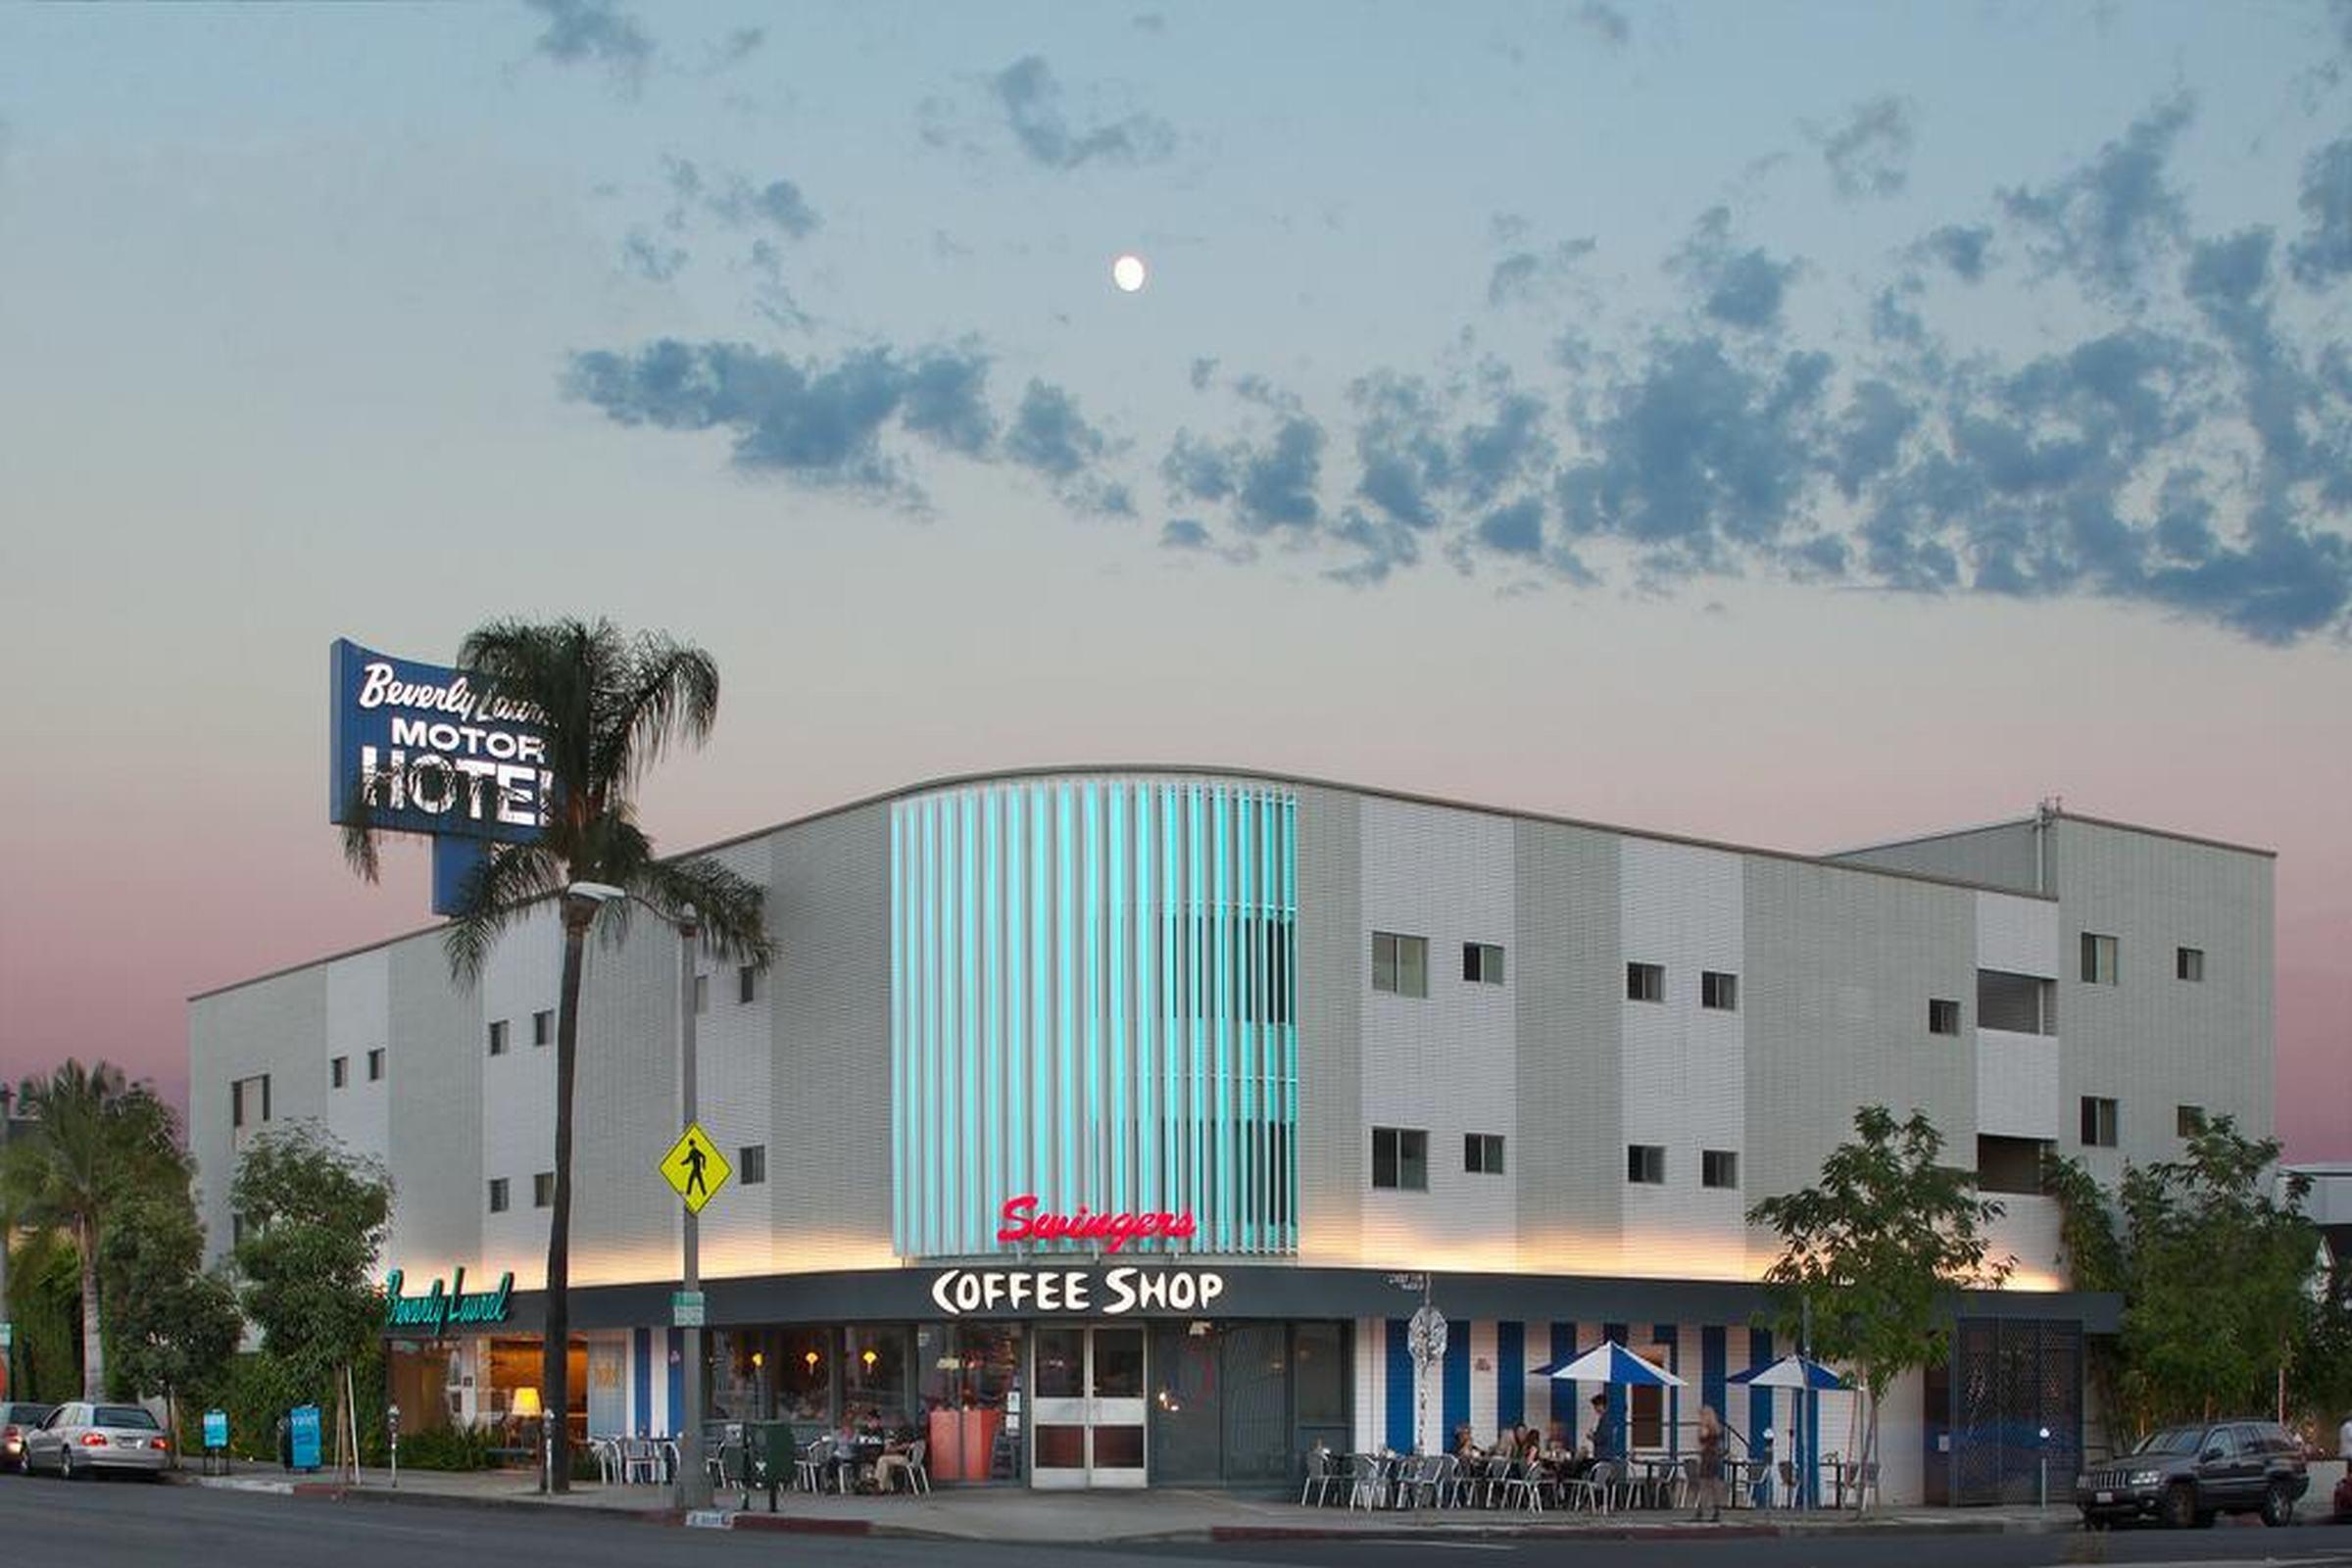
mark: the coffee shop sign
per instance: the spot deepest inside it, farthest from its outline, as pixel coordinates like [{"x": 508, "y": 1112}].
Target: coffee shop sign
[{"x": 1111, "y": 1293}]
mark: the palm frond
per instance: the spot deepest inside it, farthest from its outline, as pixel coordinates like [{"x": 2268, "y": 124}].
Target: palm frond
[
  {"x": 495, "y": 894},
  {"x": 666, "y": 692},
  {"x": 729, "y": 905}
]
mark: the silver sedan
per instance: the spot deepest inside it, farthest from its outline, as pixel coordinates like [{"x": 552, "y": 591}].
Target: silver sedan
[{"x": 82, "y": 1440}]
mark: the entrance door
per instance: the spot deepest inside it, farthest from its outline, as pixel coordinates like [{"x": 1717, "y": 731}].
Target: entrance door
[{"x": 1089, "y": 1407}]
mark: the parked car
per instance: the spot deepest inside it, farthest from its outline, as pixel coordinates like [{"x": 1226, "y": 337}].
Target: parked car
[
  {"x": 82, "y": 1440},
  {"x": 2184, "y": 1476},
  {"x": 17, "y": 1418}
]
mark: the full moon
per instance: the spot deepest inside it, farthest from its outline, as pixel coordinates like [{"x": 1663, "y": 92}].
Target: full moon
[{"x": 1128, "y": 272}]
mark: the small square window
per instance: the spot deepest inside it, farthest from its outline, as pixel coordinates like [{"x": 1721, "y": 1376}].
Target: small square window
[
  {"x": 1482, "y": 1153},
  {"x": 338, "y": 1072},
  {"x": 1719, "y": 991},
  {"x": 498, "y": 1038},
  {"x": 2098, "y": 1122},
  {"x": 375, "y": 1065},
  {"x": 498, "y": 1194},
  {"x": 747, "y": 984},
  {"x": 1481, "y": 964},
  {"x": 701, "y": 993},
  {"x": 543, "y": 1188},
  {"x": 2098, "y": 960},
  {"x": 2188, "y": 963},
  {"x": 249, "y": 1101},
  {"x": 1646, "y": 1164},
  {"x": 1399, "y": 965},
  {"x": 1943, "y": 1015},
  {"x": 1400, "y": 1158},
  {"x": 2188, "y": 1120},
  {"x": 1646, "y": 982},
  {"x": 543, "y": 1027},
  {"x": 1718, "y": 1167},
  {"x": 751, "y": 1164}
]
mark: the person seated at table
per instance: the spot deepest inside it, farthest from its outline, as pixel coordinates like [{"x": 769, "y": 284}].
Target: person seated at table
[
  {"x": 1556, "y": 1449},
  {"x": 895, "y": 1459},
  {"x": 1465, "y": 1446}
]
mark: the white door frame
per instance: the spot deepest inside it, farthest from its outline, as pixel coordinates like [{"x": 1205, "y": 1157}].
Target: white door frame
[{"x": 1089, "y": 1411}]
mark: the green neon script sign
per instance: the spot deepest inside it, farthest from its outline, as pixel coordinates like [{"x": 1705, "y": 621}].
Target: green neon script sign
[{"x": 438, "y": 1308}]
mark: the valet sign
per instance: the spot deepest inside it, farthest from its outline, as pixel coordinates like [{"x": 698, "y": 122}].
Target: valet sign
[{"x": 1113, "y": 1293}]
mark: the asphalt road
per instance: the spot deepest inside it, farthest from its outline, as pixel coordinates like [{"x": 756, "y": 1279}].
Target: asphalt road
[{"x": 128, "y": 1525}]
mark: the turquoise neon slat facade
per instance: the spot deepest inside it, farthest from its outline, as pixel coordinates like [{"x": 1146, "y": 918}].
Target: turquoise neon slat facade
[{"x": 1095, "y": 1000}]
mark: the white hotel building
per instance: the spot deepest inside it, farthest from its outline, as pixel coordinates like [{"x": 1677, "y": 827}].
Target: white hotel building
[{"x": 1349, "y": 1033}]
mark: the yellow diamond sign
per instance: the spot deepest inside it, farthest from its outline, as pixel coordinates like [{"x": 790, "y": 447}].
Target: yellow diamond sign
[{"x": 696, "y": 1168}]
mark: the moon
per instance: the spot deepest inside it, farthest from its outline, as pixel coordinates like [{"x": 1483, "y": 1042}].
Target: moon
[{"x": 1128, "y": 272}]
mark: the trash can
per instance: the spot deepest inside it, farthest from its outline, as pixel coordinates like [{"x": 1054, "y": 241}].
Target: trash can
[{"x": 768, "y": 1454}]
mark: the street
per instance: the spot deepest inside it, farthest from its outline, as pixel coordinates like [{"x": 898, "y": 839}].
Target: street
[{"x": 121, "y": 1524}]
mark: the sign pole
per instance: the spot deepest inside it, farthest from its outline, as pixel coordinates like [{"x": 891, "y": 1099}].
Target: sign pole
[{"x": 693, "y": 1480}]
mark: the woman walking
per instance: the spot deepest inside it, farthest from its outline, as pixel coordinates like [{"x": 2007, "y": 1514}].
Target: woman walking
[{"x": 1710, "y": 1464}]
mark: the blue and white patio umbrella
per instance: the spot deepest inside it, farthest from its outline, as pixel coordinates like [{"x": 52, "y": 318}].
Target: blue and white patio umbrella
[
  {"x": 1789, "y": 1372},
  {"x": 1611, "y": 1363}
]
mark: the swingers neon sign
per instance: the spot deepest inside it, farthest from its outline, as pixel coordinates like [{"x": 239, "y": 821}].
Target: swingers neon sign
[{"x": 1023, "y": 1223}]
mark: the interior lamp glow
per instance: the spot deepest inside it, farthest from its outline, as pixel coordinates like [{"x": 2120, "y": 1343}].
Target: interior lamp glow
[
  {"x": 526, "y": 1403},
  {"x": 870, "y": 1357},
  {"x": 811, "y": 1358}
]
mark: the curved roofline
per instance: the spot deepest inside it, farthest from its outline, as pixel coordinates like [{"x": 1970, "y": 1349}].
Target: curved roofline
[{"x": 1261, "y": 775}]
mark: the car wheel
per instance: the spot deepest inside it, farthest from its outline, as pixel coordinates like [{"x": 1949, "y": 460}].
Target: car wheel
[
  {"x": 65, "y": 1464},
  {"x": 2180, "y": 1506},
  {"x": 2278, "y": 1506}
]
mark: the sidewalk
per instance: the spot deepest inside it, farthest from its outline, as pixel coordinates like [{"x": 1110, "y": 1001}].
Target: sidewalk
[{"x": 1163, "y": 1514}]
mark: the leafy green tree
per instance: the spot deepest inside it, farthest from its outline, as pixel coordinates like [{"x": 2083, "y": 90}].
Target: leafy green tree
[
  {"x": 609, "y": 706},
  {"x": 44, "y": 1297},
  {"x": 95, "y": 1138},
  {"x": 171, "y": 1326},
  {"x": 1871, "y": 1254},
  {"x": 314, "y": 1219}
]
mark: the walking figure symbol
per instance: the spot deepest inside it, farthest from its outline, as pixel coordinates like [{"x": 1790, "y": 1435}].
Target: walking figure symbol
[{"x": 694, "y": 1169}]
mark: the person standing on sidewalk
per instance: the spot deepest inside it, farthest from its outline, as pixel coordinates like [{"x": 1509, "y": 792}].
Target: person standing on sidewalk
[
  {"x": 1710, "y": 1464},
  {"x": 2343, "y": 1438}
]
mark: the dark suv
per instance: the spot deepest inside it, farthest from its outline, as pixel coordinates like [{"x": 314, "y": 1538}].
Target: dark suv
[{"x": 2185, "y": 1475}]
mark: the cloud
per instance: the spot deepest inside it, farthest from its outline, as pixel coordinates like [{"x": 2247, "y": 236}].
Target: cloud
[
  {"x": 646, "y": 256},
  {"x": 734, "y": 201},
  {"x": 1963, "y": 247},
  {"x": 1524, "y": 275},
  {"x": 1605, "y": 21},
  {"x": 2325, "y": 252},
  {"x": 1184, "y": 533},
  {"x": 2105, "y": 222},
  {"x": 1869, "y": 153},
  {"x": 598, "y": 31},
  {"x": 1516, "y": 530},
  {"x": 1049, "y": 435},
  {"x": 1031, "y": 98},
  {"x": 738, "y": 46},
  {"x": 1740, "y": 289}
]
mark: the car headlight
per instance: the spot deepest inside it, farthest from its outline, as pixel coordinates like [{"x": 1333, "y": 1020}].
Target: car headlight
[{"x": 2144, "y": 1477}]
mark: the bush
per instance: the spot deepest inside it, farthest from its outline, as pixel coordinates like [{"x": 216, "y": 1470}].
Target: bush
[{"x": 450, "y": 1448}]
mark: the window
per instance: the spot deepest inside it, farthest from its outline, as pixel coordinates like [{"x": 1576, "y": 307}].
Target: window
[
  {"x": 2009, "y": 1164},
  {"x": 751, "y": 1164},
  {"x": 1482, "y": 1153},
  {"x": 701, "y": 993},
  {"x": 1719, "y": 991},
  {"x": 249, "y": 1101},
  {"x": 747, "y": 984},
  {"x": 1943, "y": 1015},
  {"x": 375, "y": 1065},
  {"x": 338, "y": 1072},
  {"x": 1400, "y": 1158},
  {"x": 1646, "y": 982},
  {"x": 2098, "y": 960},
  {"x": 2189, "y": 1121},
  {"x": 498, "y": 1194},
  {"x": 543, "y": 1188},
  {"x": 1646, "y": 1164},
  {"x": 2188, "y": 963},
  {"x": 2019, "y": 1004},
  {"x": 2098, "y": 1122},
  {"x": 1481, "y": 964},
  {"x": 1718, "y": 1167},
  {"x": 543, "y": 1027},
  {"x": 1401, "y": 964},
  {"x": 498, "y": 1037}
]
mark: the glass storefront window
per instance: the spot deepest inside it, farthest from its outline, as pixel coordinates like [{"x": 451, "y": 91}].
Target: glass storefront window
[{"x": 874, "y": 1381}]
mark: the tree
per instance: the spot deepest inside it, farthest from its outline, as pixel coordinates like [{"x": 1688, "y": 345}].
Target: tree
[
  {"x": 314, "y": 1219},
  {"x": 609, "y": 706},
  {"x": 171, "y": 1326},
  {"x": 1871, "y": 1254},
  {"x": 95, "y": 1138}
]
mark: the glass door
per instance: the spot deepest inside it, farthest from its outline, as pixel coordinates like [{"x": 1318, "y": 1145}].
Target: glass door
[{"x": 1089, "y": 1407}]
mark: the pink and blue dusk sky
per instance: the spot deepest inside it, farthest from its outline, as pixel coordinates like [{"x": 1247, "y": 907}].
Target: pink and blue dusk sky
[{"x": 1797, "y": 424}]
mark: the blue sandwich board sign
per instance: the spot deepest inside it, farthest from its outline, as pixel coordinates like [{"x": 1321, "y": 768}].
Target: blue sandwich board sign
[
  {"x": 302, "y": 1429},
  {"x": 216, "y": 1428}
]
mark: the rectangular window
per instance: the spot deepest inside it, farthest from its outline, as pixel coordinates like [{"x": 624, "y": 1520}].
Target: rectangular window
[
  {"x": 1719, "y": 991},
  {"x": 1400, "y": 1158},
  {"x": 2098, "y": 1122},
  {"x": 701, "y": 994},
  {"x": 1718, "y": 1167},
  {"x": 2019, "y": 1004},
  {"x": 1481, "y": 964},
  {"x": 498, "y": 1194},
  {"x": 2189, "y": 1121},
  {"x": 375, "y": 1065},
  {"x": 543, "y": 1027},
  {"x": 1646, "y": 1164},
  {"x": 2188, "y": 963},
  {"x": 1401, "y": 964},
  {"x": 338, "y": 1072},
  {"x": 2098, "y": 960},
  {"x": 498, "y": 1038},
  {"x": 543, "y": 1188},
  {"x": 751, "y": 1164},
  {"x": 1943, "y": 1015},
  {"x": 1482, "y": 1153},
  {"x": 249, "y": 1101},
  {"x": 747, "y": 984},
  {"x": 1646, "y": 982}
]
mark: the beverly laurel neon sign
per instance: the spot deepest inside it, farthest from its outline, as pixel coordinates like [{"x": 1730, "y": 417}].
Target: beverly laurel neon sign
[{"x": 436, "y": 1309}]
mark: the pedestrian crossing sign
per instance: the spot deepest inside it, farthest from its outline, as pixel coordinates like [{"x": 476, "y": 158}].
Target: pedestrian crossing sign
[{"x": 694, "y": 1168}]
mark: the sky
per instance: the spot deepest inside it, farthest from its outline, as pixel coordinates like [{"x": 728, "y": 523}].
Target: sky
[{"x": 1798, "y": 425}]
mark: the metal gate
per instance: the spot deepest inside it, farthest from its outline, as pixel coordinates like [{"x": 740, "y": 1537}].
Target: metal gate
[{"x": 2010, "y": 1382}]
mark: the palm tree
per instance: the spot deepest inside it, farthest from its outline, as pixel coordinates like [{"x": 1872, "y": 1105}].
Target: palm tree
[
  {"x": 95, "y": 1139},
  {"x": 609, "y": 707}
]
